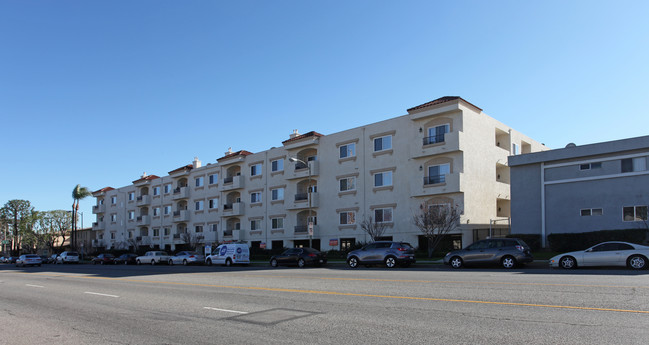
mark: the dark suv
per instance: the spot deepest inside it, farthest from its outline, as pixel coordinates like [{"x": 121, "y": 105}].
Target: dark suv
[
  {"x": 506, "y": 252},
  {"x": 383, "y": 252}
]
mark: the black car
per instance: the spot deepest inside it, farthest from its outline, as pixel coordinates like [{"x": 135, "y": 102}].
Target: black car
[
  {"x": 506, "y": 252},
  {"x": 387, "y": 253},
  {"x": 126, "y": 259},
  {"x": 103, "y": 259},
  {"x": 299, "y": 257}
]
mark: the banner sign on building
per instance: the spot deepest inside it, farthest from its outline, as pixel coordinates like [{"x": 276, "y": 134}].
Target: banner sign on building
[{"x": 333, "y": 242}]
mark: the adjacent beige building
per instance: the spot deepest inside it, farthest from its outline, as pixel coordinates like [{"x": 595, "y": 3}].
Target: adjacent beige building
[{"x": 442, "y": 152}]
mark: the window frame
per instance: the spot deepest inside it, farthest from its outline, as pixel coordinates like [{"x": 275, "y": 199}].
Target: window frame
[
  {"x": 382, "y": 141},
  {"x": 348, "y": 152}
]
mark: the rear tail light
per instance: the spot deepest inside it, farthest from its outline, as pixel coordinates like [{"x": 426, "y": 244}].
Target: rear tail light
[
  {"x": 192, "y": 256},
  {"x": 312, "y": 255},
  {"x": 402, "y": 249},
  {"x": 519, "y": 247}
]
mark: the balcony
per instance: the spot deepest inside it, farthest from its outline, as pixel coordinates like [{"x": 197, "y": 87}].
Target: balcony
[
  {"x": 232, "y": 235},
  {"x": 233, "y": 209},
  {"x": 502, "y": 190},
  {"x": 143, "y": 220},
  {"x": 97, "y": 243},
  {"x": 298, "y": 170},
  {"x": 101, "y": 225},
  {"x": 303, "y": 230},
  {"x": 301, "y": 201},
  {"x": 181, "y": 216},
  {"x": 99, "y": 209},
  {"x": 440, "y": 184},
  {"x": 435, "y": 145},
  {"x": 143, "y": 200},
  {"x": 180, "y": 193},
  {"x": 231, "y": 183}
]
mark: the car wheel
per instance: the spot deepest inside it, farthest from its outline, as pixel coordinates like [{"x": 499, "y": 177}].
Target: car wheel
[
  {"x": 273, "y": 263},
  {"x": 138, "y": 262},
  {"x": 125, "y": 262},
  {"x": 171, "y": 262},
  {"x": 209, "y": 262},
  {"x": 94, "y": 262},
  {"x": 456, "y": 262},
  {"x": 390, "y": 262},
  {"x": 301, "y": 263},
  {"x": 567, "y": 262},
  {"x": 185, "y": 262},
  {"x": 508, "y": 262},
  {"x": 352, "y": 262},
  {"x": 152, "y": 262},
  {"x": 637, "y": 262},
  {"x": 102, "y": 262},
  {"x": 228, "y": 262}
]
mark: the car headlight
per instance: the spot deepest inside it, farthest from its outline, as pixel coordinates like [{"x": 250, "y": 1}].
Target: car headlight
[{"x": 447, "y": 254}]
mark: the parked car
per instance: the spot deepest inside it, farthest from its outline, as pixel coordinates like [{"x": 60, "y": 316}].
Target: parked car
[
  {"x": 187, "y": 258},
  {"x": 153, "y": 257},
  {"x": 126, "y": 259},
  {"x": 605, "y": 254},
  {"x": 28, "y": 260},
  {"x": 68, "y": 258},
  {"x": 506, "y": 252},
  {"x": 12, "y": 259},
  {"x": 103, "y": 259},
  {"x": 3, "y": 259},
  {"x": 52, "y": 259},
  {"x": 44, "y": 259},
  {"x": 229, "y": 254},
  {"x": 383, "y": 252},
  {"x": 299, "y": 257}
]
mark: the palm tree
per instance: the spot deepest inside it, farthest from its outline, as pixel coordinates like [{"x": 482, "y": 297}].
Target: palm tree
[{"x": 78, "y": 193}]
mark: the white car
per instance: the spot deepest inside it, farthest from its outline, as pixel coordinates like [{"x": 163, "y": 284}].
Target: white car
[
  {"x": 28, "y": 260},
  {"x": 229, "y": 254},
  {"x": 153, "y": 257},
  {"x": 68, "y": 258},
  {"x": 605, "y": 254}
]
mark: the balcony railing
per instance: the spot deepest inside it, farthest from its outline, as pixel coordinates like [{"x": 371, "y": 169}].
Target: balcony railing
[
  {"x": 300, "y": 166},
  {"x": 176, "y": 236},
  {"x": 227, "y": 233},
  {"x": 434, "y": 179},
  {"x": 228, "y": 179},
  {"x": 434, "y": 139},
  {"x": 301, "y": 196},
  {"x": 301, "y": 229},
  {"x": 227, "y": 206}
]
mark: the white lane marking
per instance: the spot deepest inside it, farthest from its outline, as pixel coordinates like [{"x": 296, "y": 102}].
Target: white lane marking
[
  {"x": 100, "y": 294},
  {"x": 38, "y": 286},
  {"x": 226, "y": 310}
]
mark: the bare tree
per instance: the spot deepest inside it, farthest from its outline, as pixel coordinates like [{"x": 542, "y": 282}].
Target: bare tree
[
  {"x": 435, "y": 222},
  {"x": 193, "y": 240},
  {"x": 373, "y": 228}
]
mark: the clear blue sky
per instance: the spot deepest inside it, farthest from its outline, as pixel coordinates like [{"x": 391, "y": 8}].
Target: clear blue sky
[{"x": 97, "y": 92}]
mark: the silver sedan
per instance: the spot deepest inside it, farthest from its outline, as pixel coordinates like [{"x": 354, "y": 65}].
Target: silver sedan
[
  {"x": 28, "y": 260},
  {"x": 187, "y": 258},
  {"x": 605, "y": 254}
]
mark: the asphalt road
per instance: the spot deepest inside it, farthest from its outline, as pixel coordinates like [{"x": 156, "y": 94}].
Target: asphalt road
[{"x": 84, "y": 304}]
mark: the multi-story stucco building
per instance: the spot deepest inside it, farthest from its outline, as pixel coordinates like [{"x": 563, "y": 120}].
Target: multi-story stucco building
[
  {"x": 442, "y": 152},
  {"x": 602, "y": 186}
]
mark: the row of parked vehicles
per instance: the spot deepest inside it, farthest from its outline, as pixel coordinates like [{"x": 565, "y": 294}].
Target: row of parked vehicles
[{"x": 505, "y": 252}]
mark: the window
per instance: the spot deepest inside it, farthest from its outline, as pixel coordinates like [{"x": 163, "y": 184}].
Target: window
[
  {"x": 348, "y": 183},
  {"x": 383, "y": 215},
  {"x": 634, "y": 164},
  {"x": 277, "y": 165},
  {"x": 437, "y": 173},
  {"x": 634, "y": 213},
  {"x": 199, "y": 181},
  {"x": 214, "y": 227},
  {"x": 156, "y": 211},
  {"x": 277, "y": 223},
  {"x": 198, "y": 228},
  {"x": 277, "y": 194},
  {"x": 130, "y": 234},
  {"x": 112, "y": 235},
  {"x": 199, "y": 205},
  {"x": 514, "y": 149},
  {"x": 113, "y": 200},
  {"x": 213, "y": 203},
  {"x": 347, "y": 218},
  {"x": 167, "y": 188},
  {"x": 383, "y": 143},
  {"x": 166, "y": 231},
  {"x": 131, "y": 196},
  {"x": 255, "y": 170},
  {"x": 383, "y": 179},
  {"x": 156, "y": 232},
  {"x": 436, "y": 134},
  {"x": 131, "y": 215},
  {"x": 255, "y": 224},
  {"x": 585, "y": 212},
  {"x": 214, "y": 178},
  {"x": 156, "y": 190},
  {"x": 101, "y": 201},
  {"x": 588, "y": 166},
  {"x": 167, "y": 210},
  {"x": 348, "y": 150},
  {"x": 255, "y": 197},
  {"x": 113, "y": 217}
]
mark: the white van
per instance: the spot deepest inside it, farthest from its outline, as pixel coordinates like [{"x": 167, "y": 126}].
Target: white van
[{"x": 229, "y": 254}]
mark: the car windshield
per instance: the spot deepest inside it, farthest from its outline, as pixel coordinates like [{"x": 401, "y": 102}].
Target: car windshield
[{"x": 406, "y": 245}]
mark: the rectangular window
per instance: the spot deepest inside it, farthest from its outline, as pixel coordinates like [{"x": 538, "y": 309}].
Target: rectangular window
[
  {"x": 277, "y": 223},
  {"x": 436, "y": 134},
  {"x": 634, "y": 164},
  {"x": 199, "y": 181},
  {"x": 348, "y": 150},
  {"x": 634, "y": 213},
  {"x": 255, "y": 197},
  {"x": 514, "y": 149},
  {"x": 113, "y": 200},
  {"x": 277, "y": 194},
  {"x": 383, "y": 179},
  {"x": 437, "y": 173},
  {"x": 112, "y": 235},
  {"x": 130, "y": 234},
  {"x": 383, "y": 143},
  {"x": 383, "y": 215},
  {"x": 348, "y": 183},
  {"x": 167, "y": 188},
  {"x": 277, "y": 165},
  {"x": 131, "y": 215},
  {"x": 156, "y": 211},
  {"x": 213, "y": 203},
  {"x": 198, "y": 228},
  {"x": 156, "y": 190},
  {"x": 585, "y": 212},
  {"x": 166, "y": 231},
  {"x": 214, "y": 227},
  {"x": 156, "y": 232},
  {"x": 113, "y": 217},
  {"x": 347, "y": 218},
  {"x": 588, "y": 166},
  {"x": 214, "y": 178},
  {"x": 255, "y": 224},
  {"x": 199, "y": 205},
  {"x": 255, "y": 170},
  {"x": 131, "y": 196},
  {"x": 167, "y": 210}
]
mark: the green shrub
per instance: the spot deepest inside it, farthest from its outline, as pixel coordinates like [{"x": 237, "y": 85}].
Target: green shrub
[{"x": 579, "y": 241}]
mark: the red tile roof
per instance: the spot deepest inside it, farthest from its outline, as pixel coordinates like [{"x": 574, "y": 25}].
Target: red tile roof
[
  {"x": 105, "y": 189},
  {"x": 234, "y": 154},
  {"x": 440, "y": 101},
  {"x": 305, "y": 135},
  {"x": 146, "y": 178},
  {"x": 184, "y": 167}
]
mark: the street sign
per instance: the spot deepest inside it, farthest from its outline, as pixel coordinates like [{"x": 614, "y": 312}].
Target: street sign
[{"x": 310, "y": 228}]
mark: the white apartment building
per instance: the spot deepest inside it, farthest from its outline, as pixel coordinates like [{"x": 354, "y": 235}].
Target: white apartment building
[{"x": 442, "y": 152}]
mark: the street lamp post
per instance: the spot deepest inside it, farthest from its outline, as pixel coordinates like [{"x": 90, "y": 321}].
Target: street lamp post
[{"x": 308, "y": 189}]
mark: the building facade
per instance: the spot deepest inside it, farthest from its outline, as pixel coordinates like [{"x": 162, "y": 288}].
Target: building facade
[
  {"x": 442, "y": 152},
  {"x": 603, "y": 186}
]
